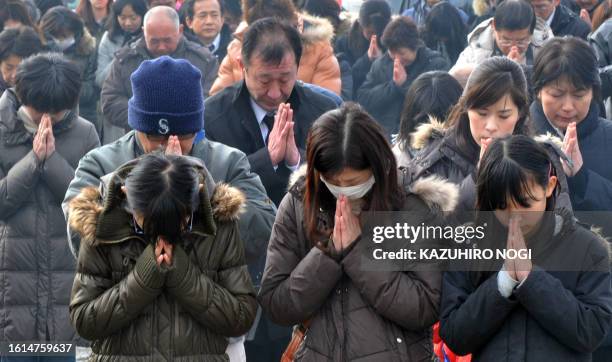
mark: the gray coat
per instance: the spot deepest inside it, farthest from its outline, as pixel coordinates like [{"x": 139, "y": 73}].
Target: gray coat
[
  {"x": 226, "y": 164},
  {"x": 36, "y": 268},
  {"x": 106, "y": 54},
  {"x": 117, "y": 88}
]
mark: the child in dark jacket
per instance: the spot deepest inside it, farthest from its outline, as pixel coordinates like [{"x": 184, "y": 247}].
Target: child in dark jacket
[{"x": 556, "y": 305}]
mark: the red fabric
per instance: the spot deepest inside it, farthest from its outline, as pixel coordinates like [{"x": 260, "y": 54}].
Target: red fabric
[{"x": 439, "y": 345}]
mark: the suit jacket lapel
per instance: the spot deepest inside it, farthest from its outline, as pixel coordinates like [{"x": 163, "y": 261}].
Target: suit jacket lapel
[{"x": 247, "y": 117}]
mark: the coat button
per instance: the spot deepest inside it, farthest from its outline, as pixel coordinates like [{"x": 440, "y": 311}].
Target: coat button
[{"x": 399, "y": 340}]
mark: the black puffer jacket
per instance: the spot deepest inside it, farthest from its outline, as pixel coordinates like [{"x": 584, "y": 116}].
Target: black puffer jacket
[
  {"x": 36, "y": 266},
  {"x": 134, "y": 311},
  {"x": 567, "y": 23},
  {"x": 383, "y": 98},
  {"x": 553, "y": 316}
]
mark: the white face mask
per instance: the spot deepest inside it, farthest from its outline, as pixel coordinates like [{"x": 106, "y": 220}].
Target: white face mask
[
  {"x": 64, "y": 44},
  {"x": 351, "y": 192}
]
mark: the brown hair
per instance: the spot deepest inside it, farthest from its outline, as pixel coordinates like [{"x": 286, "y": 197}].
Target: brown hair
[
  {"x": 341, "y": 138},
  {"x": 86, "y": 13},
  {"x": 601, "y": 14},
  {"x": 254, "y": 10}
]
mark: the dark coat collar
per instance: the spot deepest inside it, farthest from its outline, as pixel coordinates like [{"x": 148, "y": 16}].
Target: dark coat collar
[
  {"x": 15, "y": 131},
  {"x": 584, "y": 128}
]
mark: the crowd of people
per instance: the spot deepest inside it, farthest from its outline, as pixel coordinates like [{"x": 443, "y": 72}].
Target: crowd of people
[{"x": 192, "y": 180}]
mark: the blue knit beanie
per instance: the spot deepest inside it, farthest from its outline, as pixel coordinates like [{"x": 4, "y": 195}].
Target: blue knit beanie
[{"x": 167, "y": 97}]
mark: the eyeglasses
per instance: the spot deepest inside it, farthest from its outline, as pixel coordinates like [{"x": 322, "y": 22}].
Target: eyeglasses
[
  {"x": 519, "y": 42},
  {"x": 164, "y": 137}
]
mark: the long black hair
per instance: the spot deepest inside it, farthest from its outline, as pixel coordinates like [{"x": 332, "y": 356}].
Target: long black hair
[
  {"x": 164, "y": 190},
  {"x": 114, "y": 29},
  {"x": 571, "y": 58},
  {"x": 432, "y": 94},
  {"x": 506, "y": 170},
  {"x": 348, "y": 137},
  {"x": 444, "y": 25}
]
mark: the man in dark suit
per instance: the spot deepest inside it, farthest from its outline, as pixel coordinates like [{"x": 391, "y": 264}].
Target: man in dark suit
[
  {"x": 268, "y": 115},
  {"x": 561, "y": 19},
  {"x": 204, "y": 19}
]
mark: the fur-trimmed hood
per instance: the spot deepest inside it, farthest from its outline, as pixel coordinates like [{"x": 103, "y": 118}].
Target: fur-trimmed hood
[
  {"x": 87, "y": 44},
  {"x": 437, "y": 193},
  {"x": 481, "y": 7},
  {"x": 315, "y": 29},
  {"x": 100, "y": 208},
  {"x": 426, "y": 133}
]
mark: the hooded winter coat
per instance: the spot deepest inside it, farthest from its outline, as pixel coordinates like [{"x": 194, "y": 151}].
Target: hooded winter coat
[
  {"x": 225, "y": 164},
  {"x": 36, "y": 266},
  {"x": 552, "y": 316},
  {"x": 318, "y": 64},
  {"x": 354, "y": 315},
  {"x": 134, "y": 310},
  {"x": 481, "y": 44}
]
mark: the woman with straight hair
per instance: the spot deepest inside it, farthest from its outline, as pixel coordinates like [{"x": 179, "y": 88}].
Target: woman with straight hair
[
  {"x": 567, "y": 87},
  {"x": 555, "y": 305},
  {"x": 94, "y": 14},
  {"x": 494, "y": 104},
  {"x": 445, "y": 31},
  {"x": 124, "y": 27},
  {"x": 313, "y": 270},
  {"x": 161, "y": 269}
]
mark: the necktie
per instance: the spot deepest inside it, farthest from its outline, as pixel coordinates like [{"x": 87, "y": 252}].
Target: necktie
[
  {"x": 211, "y": 47},
  {"x": 269, "y": 121}
]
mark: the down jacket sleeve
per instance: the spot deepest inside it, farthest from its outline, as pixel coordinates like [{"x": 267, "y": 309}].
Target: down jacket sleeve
[
  {"x": 378, "y": 90},
  {"x": 227, "y": 306},
  {"x": 99, "y": 307},
  {"x": 294, "y": 285},
  {"x": 114, "y": 96},
  {"x": 409, "y": 298},
  {"x": 17, "y": 185},
  {"x": 58, "y": 173},
  {"x": 327, "y": 70},
  {"x": 462, "y": 308},
  {"x": 579, "y": 319},
  {"x": 589, "y": 190}
]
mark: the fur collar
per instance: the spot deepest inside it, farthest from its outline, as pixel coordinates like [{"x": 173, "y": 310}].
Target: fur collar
[
  {"x": 436, "y": 192},
  {"x": 426, "y": 133},
  {"x": 89, "y": 208},
  {"x": 316, "y": 29},
  {"x": 87, "y": 44}
]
